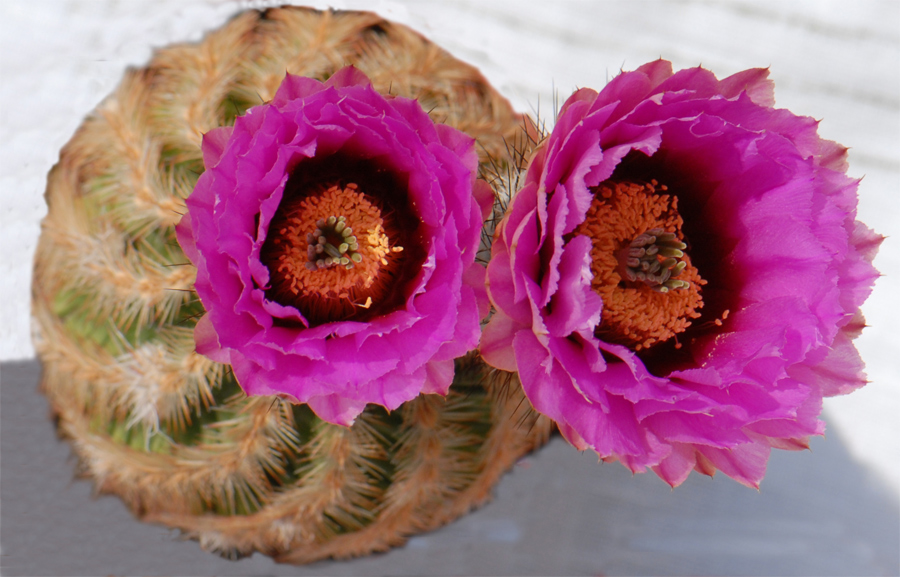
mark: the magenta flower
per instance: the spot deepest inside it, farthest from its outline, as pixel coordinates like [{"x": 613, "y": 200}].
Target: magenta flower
[
  {"x": 334, "y": 233},
  {"x": 678, "y": 282}
]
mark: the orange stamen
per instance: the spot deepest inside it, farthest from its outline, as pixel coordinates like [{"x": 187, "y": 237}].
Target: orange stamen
[
  {"x": 327, "y": 293},
  {"x": 636, "y": 313}
]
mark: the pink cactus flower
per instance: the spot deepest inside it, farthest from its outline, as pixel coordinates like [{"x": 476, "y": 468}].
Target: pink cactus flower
[
  {"x": 334, "y": 233},
  {"x": 678, "y": 281}
]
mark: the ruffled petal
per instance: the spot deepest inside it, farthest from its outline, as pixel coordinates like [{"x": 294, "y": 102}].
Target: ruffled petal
[
  {"x": 769, "y": 217},
  {"x": 340, "y": 365}
]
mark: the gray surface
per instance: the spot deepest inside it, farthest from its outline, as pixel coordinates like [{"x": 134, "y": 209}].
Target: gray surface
[{"x": 558, "y": 513}]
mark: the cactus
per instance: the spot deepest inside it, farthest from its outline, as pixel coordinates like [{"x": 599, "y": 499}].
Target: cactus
[{"x": 169, "y": 431}]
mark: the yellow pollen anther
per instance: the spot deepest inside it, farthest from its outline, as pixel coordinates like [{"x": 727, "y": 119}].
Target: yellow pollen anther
[{"x": 637, "y": 251}]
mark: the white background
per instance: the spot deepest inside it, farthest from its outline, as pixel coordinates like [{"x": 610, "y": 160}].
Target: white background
[{"x": 833, "y": 60}]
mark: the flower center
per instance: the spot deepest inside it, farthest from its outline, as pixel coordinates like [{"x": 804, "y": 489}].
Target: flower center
[
  {"x": 650, "y": 290},
  {"x": 331, "y": 253}
]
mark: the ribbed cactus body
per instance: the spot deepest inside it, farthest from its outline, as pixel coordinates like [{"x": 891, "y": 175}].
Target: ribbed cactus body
[{"x": 170, "y": 431}]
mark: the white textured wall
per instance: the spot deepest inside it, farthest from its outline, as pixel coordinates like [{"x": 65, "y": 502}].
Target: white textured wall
[{"x": 834, "y": 60}]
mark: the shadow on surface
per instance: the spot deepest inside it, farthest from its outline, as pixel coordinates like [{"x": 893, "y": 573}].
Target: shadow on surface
[{"x": 559, "y": 512}]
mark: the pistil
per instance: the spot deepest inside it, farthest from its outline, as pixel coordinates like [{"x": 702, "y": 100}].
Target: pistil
[
  {"x": 332, "y": 244},
  {"x": 654, "y": 258}
]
